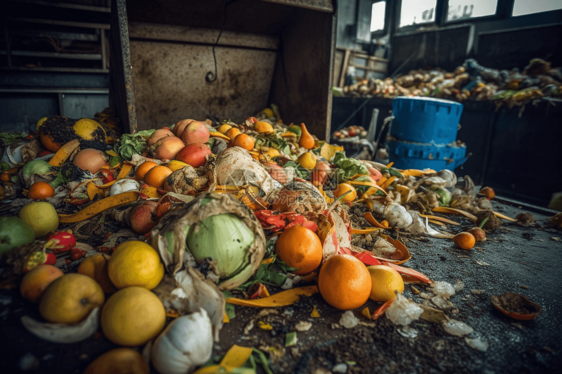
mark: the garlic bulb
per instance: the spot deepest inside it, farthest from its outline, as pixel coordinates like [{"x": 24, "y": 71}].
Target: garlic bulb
[
  {"x": 124, "y": 185},
  {"x": 186, "y": 343}
]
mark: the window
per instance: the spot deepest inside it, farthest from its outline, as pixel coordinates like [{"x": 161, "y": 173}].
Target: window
[
  {"x": 523, "y": 7},
  {"x": 377, "y": 16},
  {"x": 413, "y": 12},
  {"x": 465, "y": 9}
]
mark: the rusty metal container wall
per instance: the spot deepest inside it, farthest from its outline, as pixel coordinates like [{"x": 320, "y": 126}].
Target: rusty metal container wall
[{"x": 274, "y": 51}]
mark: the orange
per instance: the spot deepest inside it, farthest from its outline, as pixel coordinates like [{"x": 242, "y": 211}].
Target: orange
[
  {"x": 343, "y": 188},
  {"x": 40, "y": 191},
  {"x": 465, "y": 240},
  {"x": 384, "y": 281},
  {"x": 36, "y": 281},
  {"x": 244, "y": 141},
  {"x": 157, "y": 176},
  {"x": 300, "y": 248},
  {"x": 232, "y": 133},
  {"x": 144, "y": 168},
  {"x": 96, "y": 268},
  {"x": 261, "y": 126},
  {"x": 70, "y": 299},
  {"x": 344, "y": 282},
  {"x": 49, "y": 142},
  {"x": 119, "y": 361}
]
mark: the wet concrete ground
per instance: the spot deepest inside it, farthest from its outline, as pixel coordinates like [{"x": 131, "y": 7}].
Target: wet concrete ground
[{"x": 516, "y": 259}]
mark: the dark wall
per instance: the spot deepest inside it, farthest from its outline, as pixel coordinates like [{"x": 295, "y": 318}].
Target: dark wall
[{"x": 499, "y": 43}]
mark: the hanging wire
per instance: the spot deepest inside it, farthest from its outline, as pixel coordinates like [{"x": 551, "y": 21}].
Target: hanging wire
[{"x": 211, "y": 77}]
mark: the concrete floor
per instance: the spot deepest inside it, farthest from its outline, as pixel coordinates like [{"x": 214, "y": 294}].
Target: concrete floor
[{"x": 508, "y": 262}]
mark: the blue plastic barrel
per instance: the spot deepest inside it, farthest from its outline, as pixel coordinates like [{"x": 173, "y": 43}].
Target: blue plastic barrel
[
  {"x": 425, "y": 120},
  {"x": 407, "y": 155}
]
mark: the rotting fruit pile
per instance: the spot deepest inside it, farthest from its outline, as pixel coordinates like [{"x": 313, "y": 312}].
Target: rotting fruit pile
[
  {"x": 471, "y": 81},
  {"x": 155, "y": 237}
]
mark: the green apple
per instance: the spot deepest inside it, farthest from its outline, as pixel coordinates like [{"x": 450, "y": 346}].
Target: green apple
[{"x": 14, "y": 233}]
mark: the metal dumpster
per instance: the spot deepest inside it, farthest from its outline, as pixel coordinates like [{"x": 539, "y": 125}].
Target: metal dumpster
[{"x": 269, "y": 51}]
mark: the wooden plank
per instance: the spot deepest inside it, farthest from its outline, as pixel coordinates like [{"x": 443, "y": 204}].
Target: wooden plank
[
  {"x": 86, "y": 25},
  {"x": 302, "y": 77},
  {"x": 70, "y": 56},
  {"x": 344, "y": 67},
  {"x": 65, "y": 5},
  {"x": 121, "y": 96},
  {"x": 177, "y": 33},
  {"x": 320, "y": 5}
]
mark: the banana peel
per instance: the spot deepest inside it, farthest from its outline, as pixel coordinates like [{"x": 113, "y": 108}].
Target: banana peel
[
  {"x": 100, "y": 206},
  {"x": 388, "y": 182},
  {"x": 284, "y": 298},
  {"x": 442, "y": 209},
  {"x": 369, "y": 230},
  {"x": 440, "y": 219},
  {"x": 504, "y": 217},
  {"x": 369, "y": 217},
  {"x": 64, "y": 153}
]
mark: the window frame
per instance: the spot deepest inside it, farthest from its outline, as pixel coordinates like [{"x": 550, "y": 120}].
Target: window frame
[
  {"x": 500, "y": 13},
  {"x": 387, "y": 10},
  {"x": 413, "y": 27}
]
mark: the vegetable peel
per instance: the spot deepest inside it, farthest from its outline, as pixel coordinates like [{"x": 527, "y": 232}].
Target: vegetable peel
[{"x": 283, "y": 298}]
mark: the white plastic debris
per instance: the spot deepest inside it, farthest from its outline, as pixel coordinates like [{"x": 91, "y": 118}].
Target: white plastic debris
[
  {"x": 408, "y": 332},
  {"x": 457, "y": 328},
  {"x": 459, "y": 285},
  {"x": 403, "y": 311},
  {"x": 288, "y": 284},
  {"x": 397, "y": 216},
  {"x": 340, "y": 368},
  {"x": 348, "y": 320},
  {"x": 418, "y": 225},
  {"x": 477, "y": 343},
  {"x": 441, "y": 303},
  {"x": 443, "y": 289},
  {"x": 303, "y": 326}
]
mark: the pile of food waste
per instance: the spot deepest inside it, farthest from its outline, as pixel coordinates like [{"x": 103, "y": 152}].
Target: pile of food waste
[
  {"x": 471, "y": 81},
  {"x": 155, "y": 238}
]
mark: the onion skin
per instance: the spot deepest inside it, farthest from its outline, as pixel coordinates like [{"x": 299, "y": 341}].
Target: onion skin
[
  {"x": 168, "y": 147},
  {"x": 90, "y": 159},
  {"x": 478, "y": 233}
]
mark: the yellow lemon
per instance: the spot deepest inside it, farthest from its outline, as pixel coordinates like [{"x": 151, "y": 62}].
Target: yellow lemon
[
  {"x": 40, "y": 122},
  {"x": 132, "y": 316},
  {"x": 224, "y": 128},
  {"x": 261, "y": 126},
  {"x": 307, "y": 160},
  {"x": 87, "y": 129},
  {"x": 176, "y": 165},
  {"x": 268, "y": 113},
  {"x": 135, "y": 263},
  {"x": 384, "y": 281}
]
